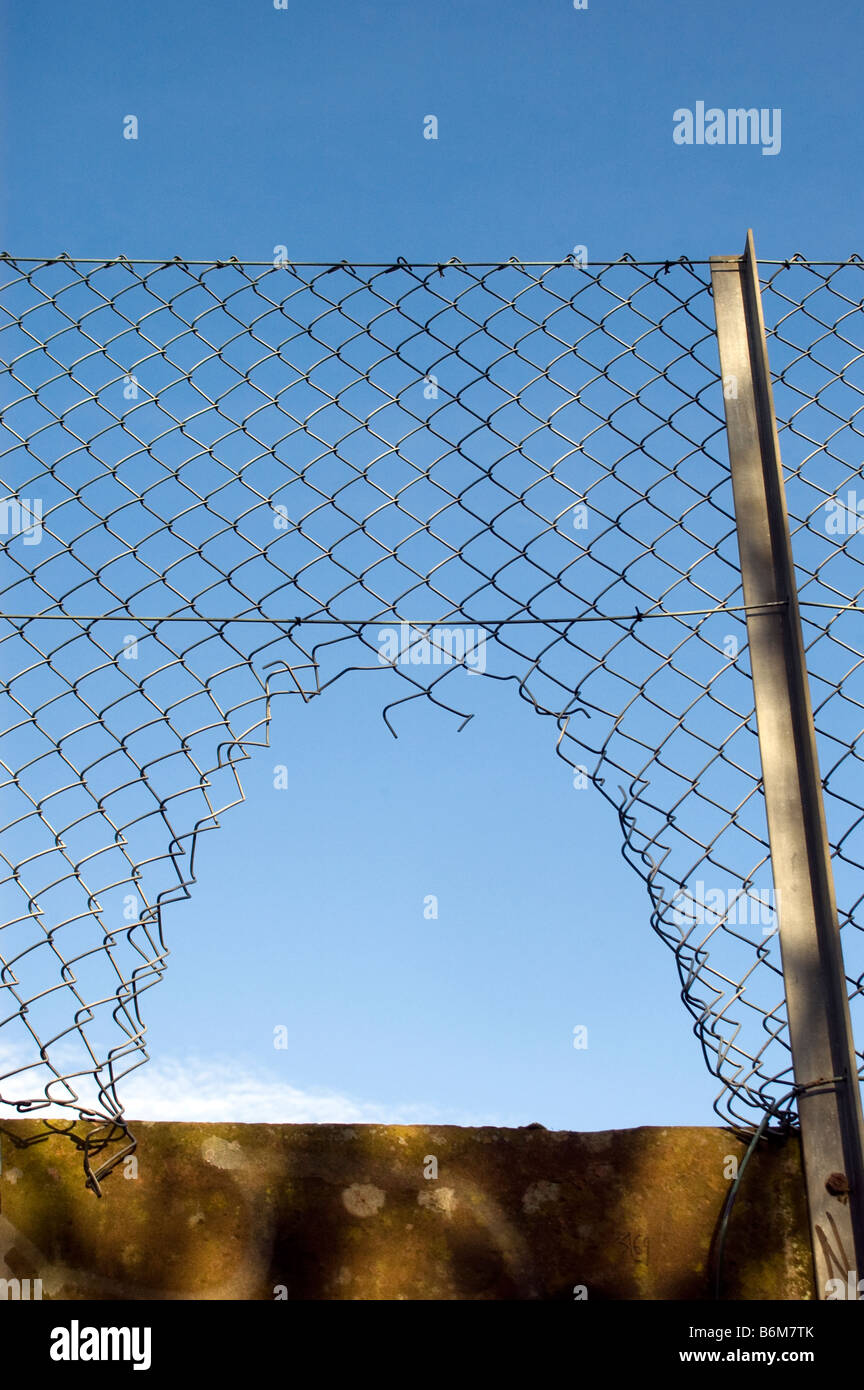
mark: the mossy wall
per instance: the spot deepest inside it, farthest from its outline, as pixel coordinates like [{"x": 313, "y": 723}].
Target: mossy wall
[{"x": 231, "y": 1211}]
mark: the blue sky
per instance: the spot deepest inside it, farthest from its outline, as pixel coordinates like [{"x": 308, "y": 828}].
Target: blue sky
[
  {"x": 304, "y": 127},
  {"x": 259, "y": 128}
]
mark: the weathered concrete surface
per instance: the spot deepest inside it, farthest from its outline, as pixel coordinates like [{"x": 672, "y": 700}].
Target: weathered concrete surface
[{"x": 345, "y": 1212}]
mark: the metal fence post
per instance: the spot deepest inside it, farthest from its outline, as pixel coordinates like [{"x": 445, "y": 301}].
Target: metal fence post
[{"x": 820, "y": 1032}]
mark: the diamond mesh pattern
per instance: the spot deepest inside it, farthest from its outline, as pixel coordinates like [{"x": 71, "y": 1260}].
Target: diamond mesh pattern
[{"x": 227, "y": 484}]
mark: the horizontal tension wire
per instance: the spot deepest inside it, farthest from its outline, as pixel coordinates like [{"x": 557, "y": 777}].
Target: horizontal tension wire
[{"x": 310, "y": 618}]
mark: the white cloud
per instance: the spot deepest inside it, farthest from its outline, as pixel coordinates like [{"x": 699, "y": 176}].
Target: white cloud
[{"x": 223, "y": 1090}]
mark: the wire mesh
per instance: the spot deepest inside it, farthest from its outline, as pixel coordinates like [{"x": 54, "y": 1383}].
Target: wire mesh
[
  {"x": 816, "y": 343},
  {"x": 228, "y": 483}
]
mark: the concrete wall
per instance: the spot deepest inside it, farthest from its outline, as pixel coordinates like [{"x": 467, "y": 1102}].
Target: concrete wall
[{"x": 226, "y": 1211}]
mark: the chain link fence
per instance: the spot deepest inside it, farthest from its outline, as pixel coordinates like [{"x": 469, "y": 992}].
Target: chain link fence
[
  {"x": 227, "y": 483},
  {"x": 816, "y": 343}
]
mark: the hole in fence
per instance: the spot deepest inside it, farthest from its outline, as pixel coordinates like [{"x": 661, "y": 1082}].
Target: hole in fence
[{"x": 417, "y": 930}]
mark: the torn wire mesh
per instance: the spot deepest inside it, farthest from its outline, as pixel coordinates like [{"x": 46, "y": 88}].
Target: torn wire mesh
[{"x": 228, "y": 483}]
